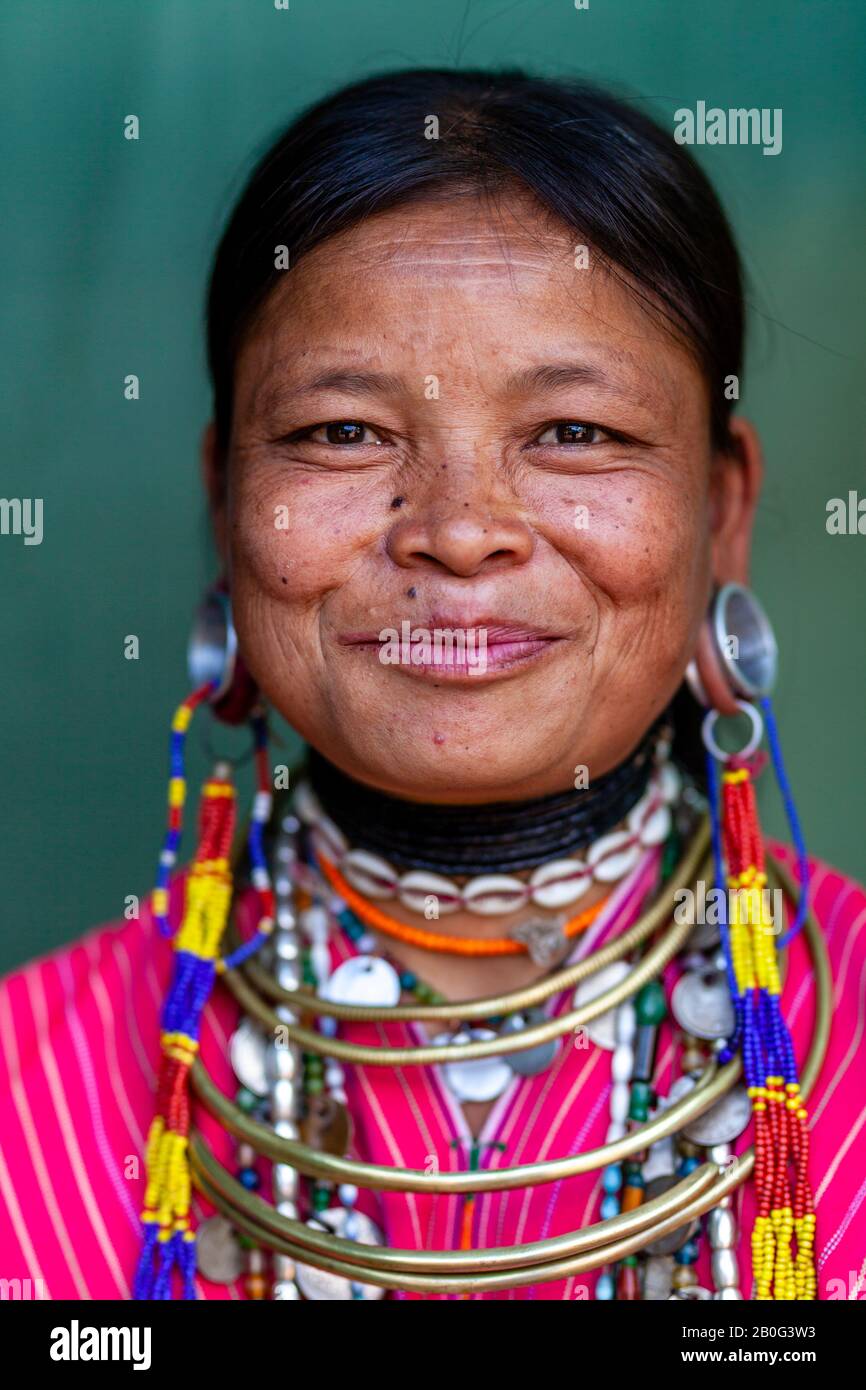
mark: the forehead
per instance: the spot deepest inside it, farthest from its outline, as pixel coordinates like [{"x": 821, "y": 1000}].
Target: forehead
[{"x": 487, "y": 281}]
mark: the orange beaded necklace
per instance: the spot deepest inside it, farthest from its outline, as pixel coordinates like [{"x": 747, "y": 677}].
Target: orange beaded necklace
[{"x": 437, "y": 941}]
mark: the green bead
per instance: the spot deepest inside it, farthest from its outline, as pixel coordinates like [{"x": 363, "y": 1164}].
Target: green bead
[
  {"x": 670, "y": 855},
  {"x": 650, "y": 1005},
  {"x": 244, "y": 1241},
  {"x": 639, "y": 1103},
  {"x": 321, "y": 1198},
  {"x": 246, "y": 1100},
  {"x": 314, "y": 1085}
]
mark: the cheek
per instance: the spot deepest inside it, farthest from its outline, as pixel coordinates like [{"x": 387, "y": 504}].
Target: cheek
[
  {"x": 296, "y": 537},
  {"x": 634, "y": 537}
]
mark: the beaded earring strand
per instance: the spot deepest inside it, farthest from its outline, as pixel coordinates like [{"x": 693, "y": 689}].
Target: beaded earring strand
[
  {"x": 168, "y": 1240},
  {"x": 769, "y": 1064}
]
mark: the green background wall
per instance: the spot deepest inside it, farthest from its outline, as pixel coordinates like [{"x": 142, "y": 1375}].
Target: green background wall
[{"x": 105, "y": 247}]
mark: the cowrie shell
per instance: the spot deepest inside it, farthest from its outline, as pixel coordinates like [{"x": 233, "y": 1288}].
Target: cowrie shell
[
  {"x": 306, "y": 805},
  {"x": 418, "y": 885},
  {"x": 639, "y": 811},
  {"x": 371, "y": 875},
  {"x": 493, "y": 893},
  {"x": 613, "y": 856},
  {"x": 670, "y": 782},
  {"x": 561, "y": 882},
  {"x": 656, "y": 827},
  {"x": 333, "y": 841}
]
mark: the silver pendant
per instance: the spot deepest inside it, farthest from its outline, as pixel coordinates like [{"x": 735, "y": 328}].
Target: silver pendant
[
  {"x": 705, "y": 936},
  {"x": 531, "y": 1060},
  {"x": 674, "y": 1240},
  {"x": 248, "y": 1051},
  {"x": 320, "y": 1285},
  {"x": 543, "y": 938},
  {"x": 480, "y": 1080},
  {"x": 723, "y": 1122},
  {"x": 660, "y": 1162},
  {"x": 701, "y": 1005},
  {"x": 680, "y": 1088},
  {"x": 365, "y": 980},
  {"x": 658, "y": 1278},
  {"x": 690, "y": 1294},
  {"x": 218, "y": 1255},
  {"x": 601, "y": 1030}
]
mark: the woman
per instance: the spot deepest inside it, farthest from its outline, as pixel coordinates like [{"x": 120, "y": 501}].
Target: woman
[{"x": 483, "y": 504}]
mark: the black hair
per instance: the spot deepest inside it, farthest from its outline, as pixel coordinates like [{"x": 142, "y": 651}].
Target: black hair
[
  {"x": 628, "y": 191},
  {"x": 604, "y": 169}
]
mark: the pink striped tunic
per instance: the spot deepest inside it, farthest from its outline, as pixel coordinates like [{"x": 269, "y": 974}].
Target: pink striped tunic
[{"x": 79, "y": 1043}]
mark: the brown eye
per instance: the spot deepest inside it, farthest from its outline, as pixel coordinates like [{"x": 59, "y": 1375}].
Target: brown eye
[
  {"x": 570, "y": 432},
  {"x": 344, "y": 432}
]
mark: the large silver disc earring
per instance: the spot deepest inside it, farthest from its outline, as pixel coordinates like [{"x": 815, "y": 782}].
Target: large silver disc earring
[
  {"x": 213, "y": 657},
  {"x": 743, "y": 644}
]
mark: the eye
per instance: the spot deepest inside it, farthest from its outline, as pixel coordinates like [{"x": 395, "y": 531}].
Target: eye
[
  {"x": 571, "y": 432},
  {"x": 340, "y": 432}
]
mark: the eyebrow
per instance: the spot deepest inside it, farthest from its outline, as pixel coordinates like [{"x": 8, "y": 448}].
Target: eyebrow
[
  {"x": 550, "y": 376},
  {"x": 352, "y": 383}
]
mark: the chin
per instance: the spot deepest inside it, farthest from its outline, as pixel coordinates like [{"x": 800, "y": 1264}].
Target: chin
[{"x": 448, "y": 755}]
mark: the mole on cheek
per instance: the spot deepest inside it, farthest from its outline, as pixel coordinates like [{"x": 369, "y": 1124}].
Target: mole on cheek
[
  {"x": 397, "y": 502},
  {"x": 410, "y": 593}
]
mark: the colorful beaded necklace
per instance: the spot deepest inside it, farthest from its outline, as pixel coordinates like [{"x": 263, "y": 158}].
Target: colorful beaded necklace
[{"x": 785, "y": 1204}]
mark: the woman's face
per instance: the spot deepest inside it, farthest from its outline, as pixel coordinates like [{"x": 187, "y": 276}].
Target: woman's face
[{"x": 443, "y": 419}]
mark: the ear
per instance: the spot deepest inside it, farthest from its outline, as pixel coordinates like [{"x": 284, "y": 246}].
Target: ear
[
  {"x": 735, "y": 487},
  {"x": 213, "y": 475}
]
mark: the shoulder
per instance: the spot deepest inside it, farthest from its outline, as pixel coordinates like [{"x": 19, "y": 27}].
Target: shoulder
[
  {"x": 43, "y": 995},
  {"x": 79, "y": 1054},
  {"x": 77, "y": 1047}
]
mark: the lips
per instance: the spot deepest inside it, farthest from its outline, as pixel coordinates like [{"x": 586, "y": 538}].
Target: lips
[
  {"x": 449, "y": 646},
  {"x": 496, "y": 630}
]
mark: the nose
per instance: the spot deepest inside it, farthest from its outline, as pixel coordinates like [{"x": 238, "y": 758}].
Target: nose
[{"x": 461, "y": 537}]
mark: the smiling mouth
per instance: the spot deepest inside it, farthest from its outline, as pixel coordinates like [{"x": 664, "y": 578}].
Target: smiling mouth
[{"x": 468, "y": 654}]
